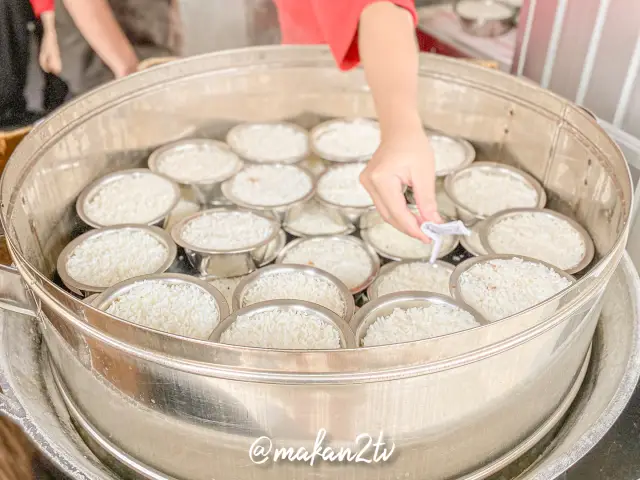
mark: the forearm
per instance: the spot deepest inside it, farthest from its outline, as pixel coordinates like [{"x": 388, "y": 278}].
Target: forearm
[
  {"x": 96, "y": 22},
  {"x": 48, "y": 21},
  {"x": 389, "y": 55}
]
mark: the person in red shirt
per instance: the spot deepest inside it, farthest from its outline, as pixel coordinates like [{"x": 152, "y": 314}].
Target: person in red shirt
[{"x": 380, "y": 34}]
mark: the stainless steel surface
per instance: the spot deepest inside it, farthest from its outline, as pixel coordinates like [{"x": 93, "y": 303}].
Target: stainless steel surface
[
  {"x": 351, "y": 213},
  {"x": 371, "y": 219},
  {"x": 31, "y": 396},
  {"x": 588, "y": 52},
  {"x": 470, "y": 153},
  {"x": 386, "y": 304},
  {"x": 104, "y": 300},
  {"x": 212, "y": 401},
  {"x": 630, "y": 146},
  {"x": 531, "y": 316},
  {"x": 483, "y": 27},
  {"x": 296, "y": 212},
  {"x": 84, "y": 289},
  {"x": 323, "y": 128},
  {"x": 234, "y": 140},
  {"x": 346, "y": 335},
  {"x": 466, "y": 212},
  {"x": 373, "y": 256},
  {"x": 230, "y": 262},
  {"x": 372, "y": 291},
  {"x": 202, "y": 192},
  {"x": 489, "y": 224},
  {"x": 466, "y": 241},
  {"x": 249, "y": 281},
  {"x": 279, "y": 211},
  {"x": 94, "y": 187}
]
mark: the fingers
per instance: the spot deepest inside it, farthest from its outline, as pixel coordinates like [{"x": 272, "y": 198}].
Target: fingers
[
  {"x": 387, "y": 192},
  {"x": 424, "y": 192}
]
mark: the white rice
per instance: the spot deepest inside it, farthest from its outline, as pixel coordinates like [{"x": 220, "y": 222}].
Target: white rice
[
  {"x": 226, "y": 230},
  {"x": 387, "y": 239},
  {"x": 295, "y": 286},
  {"x": 486, "y": 193},
  {"x": 538, "y": 235},
  {"x": 271, "y": 185},
  {"x": 313, "y": 219},
  {"x": 226, "y": 286},
  {"x": 415, "y": 276},
  {"x": 473, "y": 242},
  {"x": 182, "y": 210},
  {"x": 449, "y": 154},
  {"x": 446, "y": 206},
  {"x": 136, "y": 198},
  {"x": 111, "y": 257},
  {"x": 500, "y": 288},
  {"x": 270, "y": 142},
  {"x": 346, "y": 140},
  {"x": 481, "y": 10},
  {"x": 282, "y": 329},
  {"x": 181, "y": 309},
  {"x": 198, "y": 163},
  {"x": 418, "y": 323},
  {"x": 344, "y": 259},
  {"x": 341, "y": 186}
]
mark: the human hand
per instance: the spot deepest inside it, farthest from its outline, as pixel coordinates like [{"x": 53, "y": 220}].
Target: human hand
[
  {"x": 49, "y": 58},
  {"x": 404, "y": 158}
]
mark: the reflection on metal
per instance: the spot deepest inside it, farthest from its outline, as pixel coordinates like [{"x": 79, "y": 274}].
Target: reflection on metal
[{"x": 30, "y": 396}]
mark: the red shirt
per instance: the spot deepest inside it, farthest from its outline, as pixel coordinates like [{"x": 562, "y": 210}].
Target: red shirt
[
  {"x": 41, "y": 6},
  {"x": 333, "y": 22}
]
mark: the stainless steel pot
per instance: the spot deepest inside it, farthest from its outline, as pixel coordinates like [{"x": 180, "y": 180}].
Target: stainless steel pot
[
  {"x": 31, "y": 397},
  {"x": 192, "y": 409}
]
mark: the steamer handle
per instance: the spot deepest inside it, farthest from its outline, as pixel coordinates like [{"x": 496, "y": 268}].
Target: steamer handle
[{"x": 13, "y": 295}]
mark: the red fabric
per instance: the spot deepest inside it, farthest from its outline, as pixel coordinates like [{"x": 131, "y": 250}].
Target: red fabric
[
  {"x": 332, "y": 22},
  {"x": 41, "y": 6}
]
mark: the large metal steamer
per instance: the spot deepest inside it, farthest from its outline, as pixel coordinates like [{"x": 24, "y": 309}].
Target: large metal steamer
[{"x": 177, "y": 408}]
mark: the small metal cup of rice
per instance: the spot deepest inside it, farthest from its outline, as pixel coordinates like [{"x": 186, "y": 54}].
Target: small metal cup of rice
[
  {"x": 226, "y": 241},
  {"x": 501, "y": 286},
  {"x": 199, "y": 166},
  {"x": 285, "y": 325},
  {"x": 411, "y": 316}
]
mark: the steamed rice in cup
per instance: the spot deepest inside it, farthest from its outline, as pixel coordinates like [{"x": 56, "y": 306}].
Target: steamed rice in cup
[
  {"x": 539, "y": 233},
  {"x": 171, "y": 303},
  {"x": 199, "y": 166},
  {"x": 411, "y": 316},
  {"x": 227, "y": 242},
  {"x": 392, "y": 244},
  {"x": 107, "y": 256},
  {"x": 269, "y": 142},
  {"x": 346, "y": 140},
  {"x": 501, "y": 286},
  {"x": 412, "y": 275},
  {"x": 486, "y": 188},
  {"x": 284, "y": 325},
  {"x": 272, "y": 188},
  {"x": 295, "y": 282},
  {"x": 137, "y": 196}
]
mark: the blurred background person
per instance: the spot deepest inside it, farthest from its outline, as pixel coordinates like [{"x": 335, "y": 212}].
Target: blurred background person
[
  {"x": 100, "y": 40},
  {"x": 55, "y": 90},
  {"x": 15, "y": 44}
]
